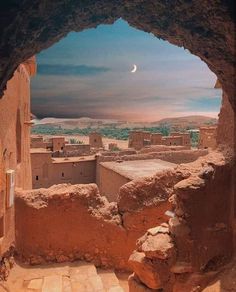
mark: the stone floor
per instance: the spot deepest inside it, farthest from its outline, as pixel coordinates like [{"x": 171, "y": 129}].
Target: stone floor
[{"x": 71, "y": 277}]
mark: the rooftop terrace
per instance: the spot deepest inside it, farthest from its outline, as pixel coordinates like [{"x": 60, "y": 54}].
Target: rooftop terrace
[{"x": 138, "y": 168}]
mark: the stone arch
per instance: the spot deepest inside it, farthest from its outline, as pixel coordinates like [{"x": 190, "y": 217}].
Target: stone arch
[{"x": 204, "y": 28}]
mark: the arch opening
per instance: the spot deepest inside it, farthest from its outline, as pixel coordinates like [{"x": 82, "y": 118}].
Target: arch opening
[{"x": 203, "y": 36}]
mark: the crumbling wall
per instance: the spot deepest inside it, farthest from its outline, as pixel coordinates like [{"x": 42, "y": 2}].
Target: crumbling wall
[
  {"x": 174, "y": 156},
  {"x": 159, "y": 148},
  {"x": 68, "y": 222},
  {"x": 199, "y": 236}
]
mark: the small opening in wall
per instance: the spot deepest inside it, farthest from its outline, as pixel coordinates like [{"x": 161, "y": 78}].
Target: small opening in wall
[
  {"x": 37, "y": 177},
  {"x": 62, "y": 174}
]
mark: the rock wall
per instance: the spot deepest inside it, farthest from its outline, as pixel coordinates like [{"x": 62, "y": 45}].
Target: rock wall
[
  {"x": 226, "y": 130},
  {"x": 199, "y": 237}
]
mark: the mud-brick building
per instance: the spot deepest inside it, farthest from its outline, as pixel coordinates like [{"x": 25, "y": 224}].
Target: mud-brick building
[
  {"x": 114, "y": 174},
  {"x": 15, "y": 167},
  {"x": 139, "y": 139},
  {"x": 156, "y": 139},
  {"x": 36, "y": 141},
  {"x": 95, "y": 140},
  {"x": 207, "y": 137},
  {"x": 48, "y": 171}
]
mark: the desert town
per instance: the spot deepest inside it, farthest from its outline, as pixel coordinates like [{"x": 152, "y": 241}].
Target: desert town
[
  {"x": 56, "y": 161},
  {"x": 156, "y": 215}
]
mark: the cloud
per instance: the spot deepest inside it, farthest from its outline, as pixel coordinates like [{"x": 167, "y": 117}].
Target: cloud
[
  {"x": 70, "y": 70},
  {"x": 169, "y": 80}
]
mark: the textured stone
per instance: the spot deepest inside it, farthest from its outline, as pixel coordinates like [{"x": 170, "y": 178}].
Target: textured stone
[
  {"x": 136, "y": 286},
  {"x": 52, "y": 284},
  {"x": 35, "y": 284},
  {"x": 178, "y": 228},
  {"x": 158, "y": 229},
  {"x": 159, "y": 246},
  {"x": 145, "y": 270}
]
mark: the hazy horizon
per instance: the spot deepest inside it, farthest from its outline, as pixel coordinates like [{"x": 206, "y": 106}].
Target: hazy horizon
[
  {"x": 88, "y": 74},
  {"x": 55, "y": 119}
]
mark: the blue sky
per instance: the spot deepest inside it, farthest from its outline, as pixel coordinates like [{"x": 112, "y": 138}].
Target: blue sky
[{"x": 89, "y": 74}]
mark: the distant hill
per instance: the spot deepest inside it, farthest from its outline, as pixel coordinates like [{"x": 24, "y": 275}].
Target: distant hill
[
  {"x": 82, "y": 123},
  {"x": 187, "y": 121}
]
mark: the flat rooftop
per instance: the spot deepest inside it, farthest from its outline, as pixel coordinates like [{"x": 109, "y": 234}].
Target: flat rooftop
[
  {"x": 39, "y": 150},
  {"x": 73, "y": 159},
  {"x": 138, "y": 168}
]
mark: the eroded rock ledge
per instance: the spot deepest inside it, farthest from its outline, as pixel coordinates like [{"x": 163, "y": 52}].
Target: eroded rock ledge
[{"x": 186, "y": 254}]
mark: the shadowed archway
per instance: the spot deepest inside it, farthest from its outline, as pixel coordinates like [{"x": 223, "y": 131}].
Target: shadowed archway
[{"x": 205, "y": 28}]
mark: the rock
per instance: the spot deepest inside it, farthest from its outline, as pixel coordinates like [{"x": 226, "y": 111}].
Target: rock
[
  {"x": 136, "y": 286},
  {"x": 207, "y": 172},
  {"x": 159, "y": 246},
  {"x": 145, "y": 270},
  {"x": 158, "y": 229},
  {"x": 178, "y": 228},
  {"x": 154, "y": 274}
]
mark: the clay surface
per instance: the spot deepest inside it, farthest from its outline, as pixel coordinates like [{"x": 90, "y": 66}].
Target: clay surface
[
  {"x": 67, "y": 222},
  {"x": 199, "y": 237}
]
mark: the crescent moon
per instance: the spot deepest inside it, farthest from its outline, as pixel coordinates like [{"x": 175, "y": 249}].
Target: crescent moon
[{"x": 134, "y": 69}]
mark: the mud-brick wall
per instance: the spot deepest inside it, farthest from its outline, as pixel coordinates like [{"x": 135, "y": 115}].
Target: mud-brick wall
[
  {"x": 226, "y": 138},
  {"x": 47, "y": 172},
  {"x": 14, "y": 147},
  {"x": 80, "y": 172},
  {"x": 110, "y": 183},
  {"x": 68, "y": 222},
  {"x": 203, "y": 228}
]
